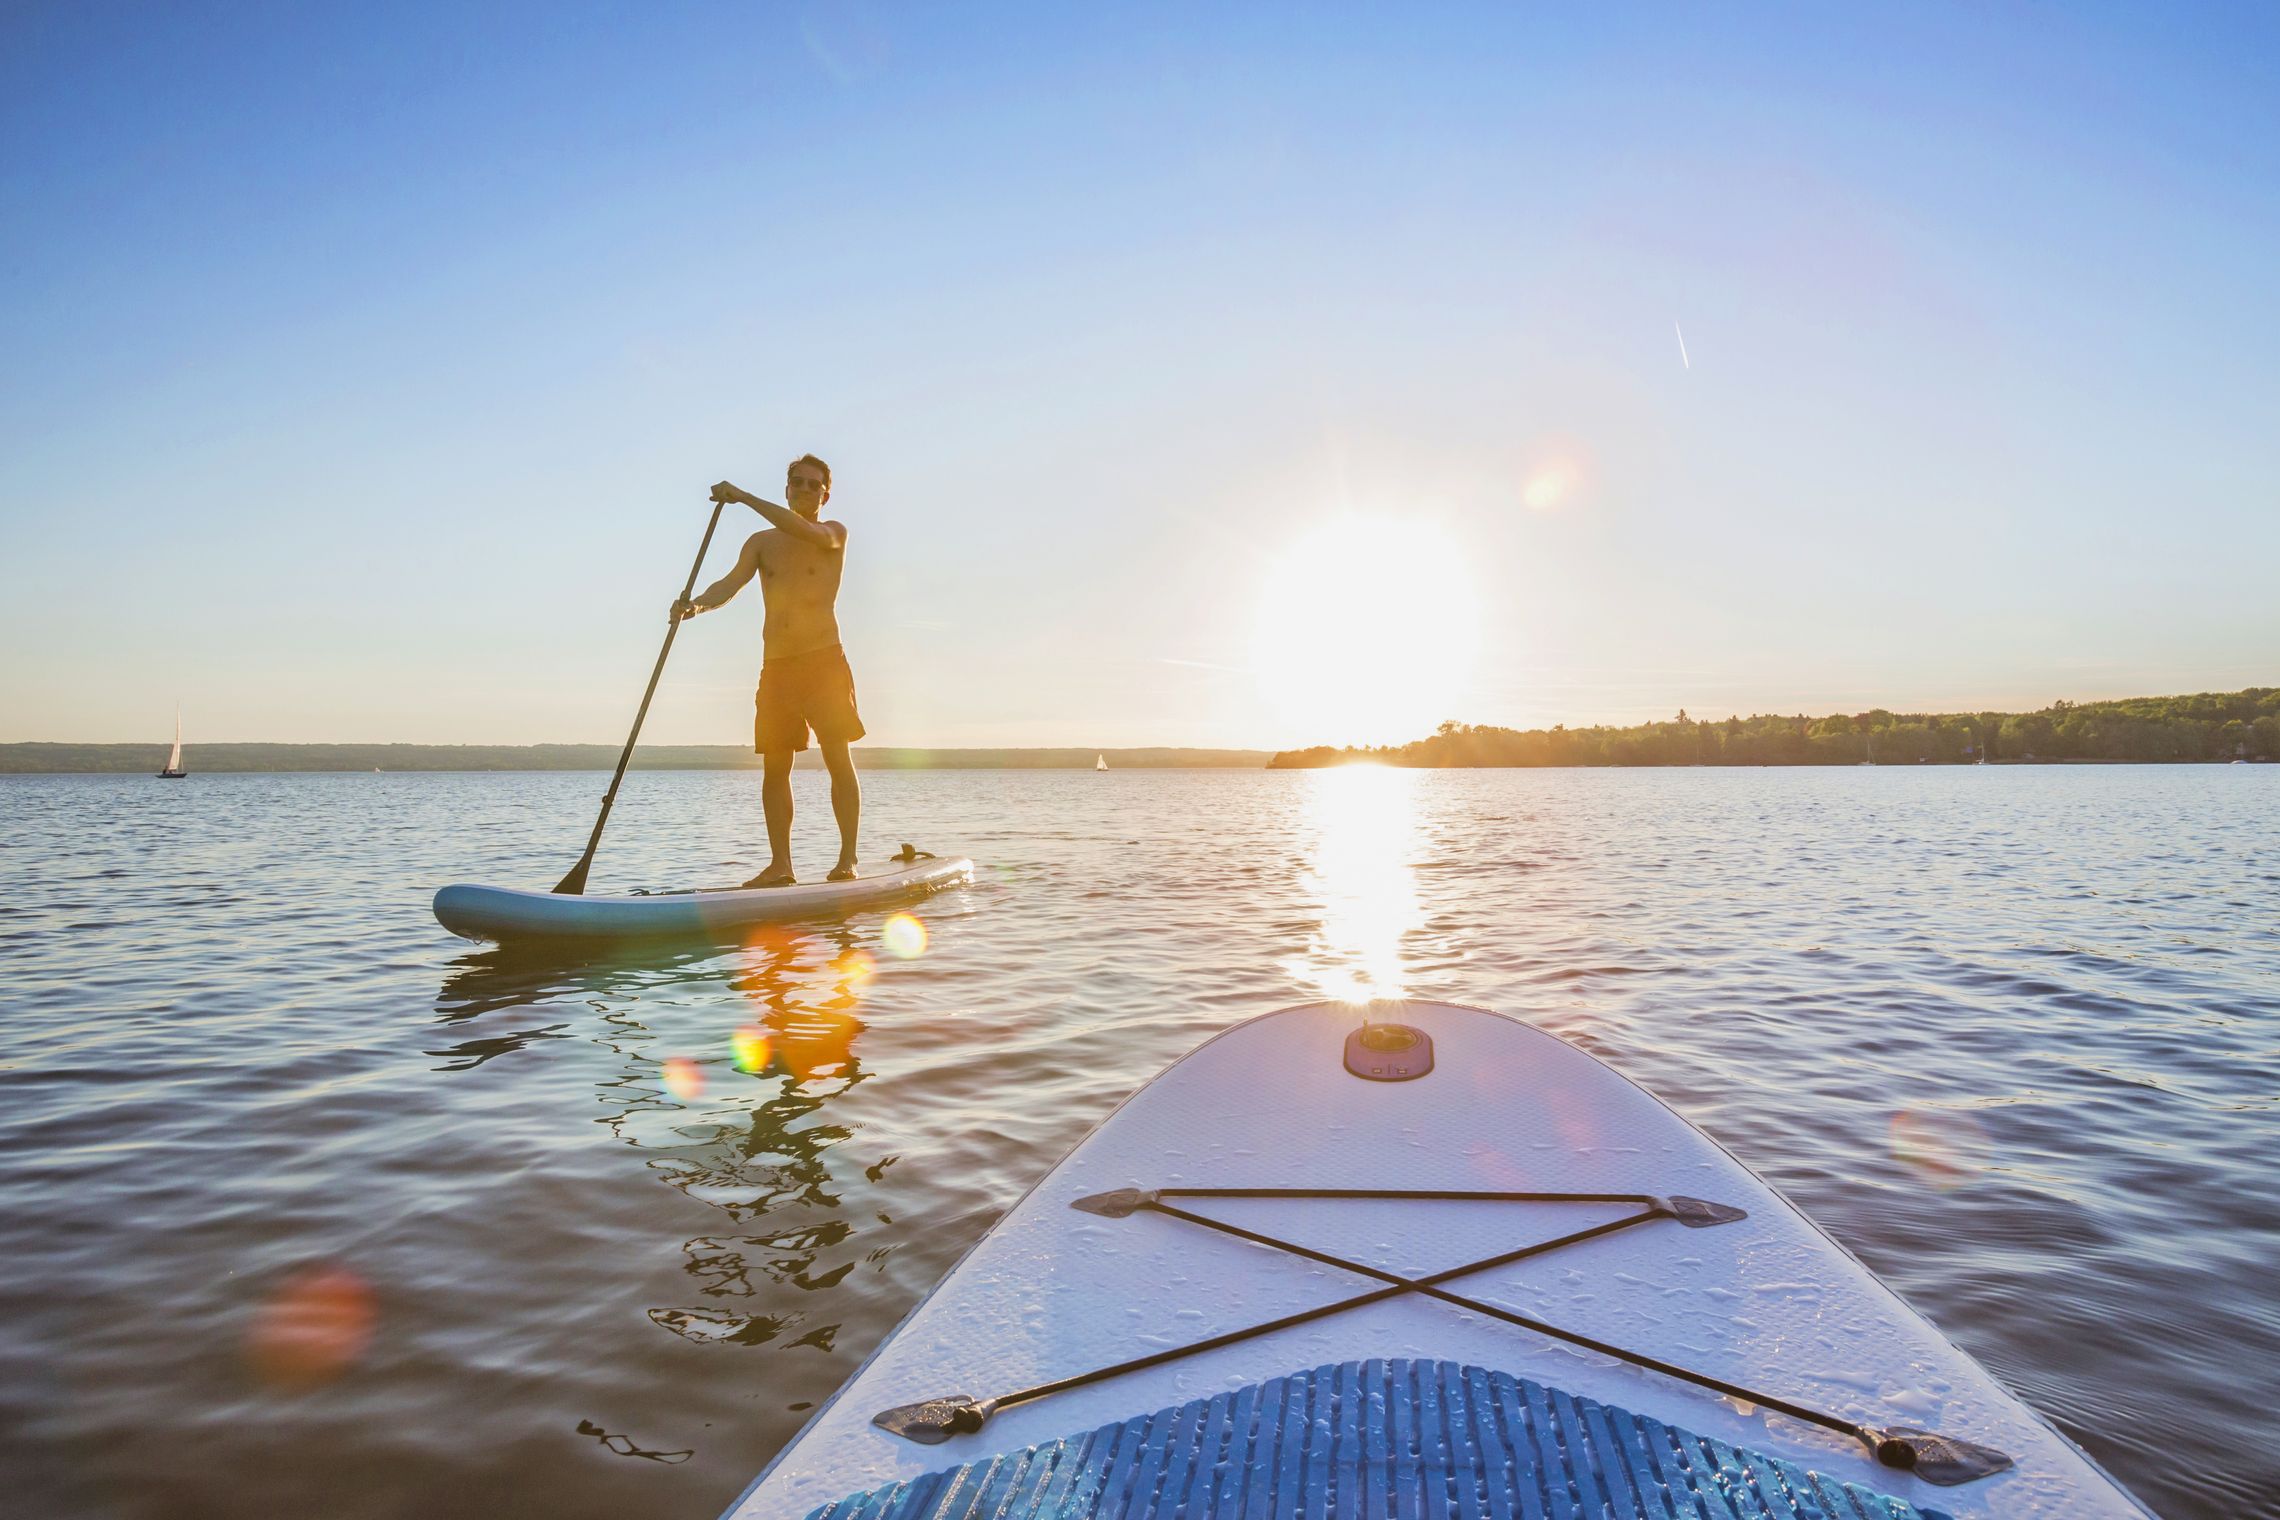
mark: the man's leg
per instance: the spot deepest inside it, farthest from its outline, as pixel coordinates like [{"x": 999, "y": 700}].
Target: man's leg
[
  {"x": 846, "y": 802},
  {"x": 776, "y": 803}
]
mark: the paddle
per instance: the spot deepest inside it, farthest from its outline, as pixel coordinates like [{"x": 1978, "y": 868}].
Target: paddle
[{"x": 575, "y": 883}]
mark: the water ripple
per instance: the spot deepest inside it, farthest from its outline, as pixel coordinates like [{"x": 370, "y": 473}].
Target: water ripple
[{"x": 598, "y": 1235}]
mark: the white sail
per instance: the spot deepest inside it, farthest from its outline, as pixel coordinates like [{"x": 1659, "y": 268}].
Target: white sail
[
  {"x": 174, "y": 760},
  {"x": 1100, "y": 762}
]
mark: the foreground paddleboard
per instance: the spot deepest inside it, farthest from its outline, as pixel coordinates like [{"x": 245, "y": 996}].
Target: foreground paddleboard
[
  {"x": 507, "y": 915},
  {"x": 1677, "y": 1341}
]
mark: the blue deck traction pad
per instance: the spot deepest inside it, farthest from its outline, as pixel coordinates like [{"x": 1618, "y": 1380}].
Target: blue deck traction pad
[{"x": 1429, "y": 1439}]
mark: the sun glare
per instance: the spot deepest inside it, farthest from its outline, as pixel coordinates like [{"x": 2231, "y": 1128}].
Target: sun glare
[
  {"x": 1361, "y": 880},
  {"x": 1367, "y": 633}
]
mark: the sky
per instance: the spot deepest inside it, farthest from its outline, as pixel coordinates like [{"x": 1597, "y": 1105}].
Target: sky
[{"x": 1191, "y": 375}]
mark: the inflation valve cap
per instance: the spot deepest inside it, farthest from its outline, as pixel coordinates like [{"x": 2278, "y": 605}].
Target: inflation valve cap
[{"x": 1389, "y": 1052}]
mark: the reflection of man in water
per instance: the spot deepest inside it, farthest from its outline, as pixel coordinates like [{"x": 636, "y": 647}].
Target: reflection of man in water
[
  {"x": 804, "y": 679},
  {"x": 809, "y": 987}
]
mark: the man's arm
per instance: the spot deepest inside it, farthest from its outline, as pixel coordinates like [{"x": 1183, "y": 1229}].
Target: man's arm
[
  {"x": 747, "y": 565},
  {"x": 827, "y": 535}
]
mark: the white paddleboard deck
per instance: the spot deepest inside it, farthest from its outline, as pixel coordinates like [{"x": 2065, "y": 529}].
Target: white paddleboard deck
[
  {"x": 1765, "y": 1301},
  {"x": 509, "y": 915}
]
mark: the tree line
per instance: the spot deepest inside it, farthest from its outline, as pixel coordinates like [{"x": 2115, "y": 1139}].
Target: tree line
[{"x": 2206, "y": 727}]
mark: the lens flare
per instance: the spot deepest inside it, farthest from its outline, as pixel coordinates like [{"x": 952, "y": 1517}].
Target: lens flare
[
  {"x": 313, "y": 1328},
  {"x": 855, "y": 968},
  {"x": 905, "y": 936},
  {"x": 684, "y": 1079},
  {"x": 752, "y": 1048},
  {"x": 1549, "y": 486},
  {"x": 1944, "y": 1149}
]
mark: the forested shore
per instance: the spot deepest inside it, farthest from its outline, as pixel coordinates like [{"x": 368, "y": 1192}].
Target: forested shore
[{"x": 2205, "y": 727}]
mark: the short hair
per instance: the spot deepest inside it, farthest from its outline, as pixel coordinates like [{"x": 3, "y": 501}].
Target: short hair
[{"x": 811, "y": 459}]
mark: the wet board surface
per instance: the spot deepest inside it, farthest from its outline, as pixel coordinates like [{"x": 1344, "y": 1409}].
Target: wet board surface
[
  {"x": 1410, "y": 1404},
  {"x": 510, "y": 915}
]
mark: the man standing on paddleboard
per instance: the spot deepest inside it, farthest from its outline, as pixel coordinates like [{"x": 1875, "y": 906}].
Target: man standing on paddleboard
[{"x": 804, "y": 679}]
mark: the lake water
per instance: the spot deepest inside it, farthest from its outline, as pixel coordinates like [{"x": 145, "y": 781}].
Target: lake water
[{"x": 307, "y": 1208}]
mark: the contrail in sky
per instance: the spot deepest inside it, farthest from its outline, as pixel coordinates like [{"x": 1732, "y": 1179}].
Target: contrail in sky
[{"x": 1674, "y": 327}]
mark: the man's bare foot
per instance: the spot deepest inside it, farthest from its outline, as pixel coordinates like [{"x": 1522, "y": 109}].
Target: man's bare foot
[
  {"x": 775, "y": 876},
  {"x": 844, "y": 871}
]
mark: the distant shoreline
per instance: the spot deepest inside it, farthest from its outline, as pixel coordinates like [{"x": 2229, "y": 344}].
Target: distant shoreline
[
  {"x": 2202, "y": 728},
  {"x": 41, "y": 759},
  {"x": 2205, "y": 728}
]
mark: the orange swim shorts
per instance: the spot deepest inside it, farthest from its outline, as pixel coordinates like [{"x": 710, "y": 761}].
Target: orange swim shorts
[{"x": 803, "y": 691}]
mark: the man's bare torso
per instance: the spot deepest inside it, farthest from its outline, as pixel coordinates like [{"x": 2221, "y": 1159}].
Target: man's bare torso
[{"x": 799, "y": 582}]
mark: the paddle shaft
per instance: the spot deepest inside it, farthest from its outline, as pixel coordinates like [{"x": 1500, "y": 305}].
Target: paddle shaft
[{"x": 574, "y": 883}]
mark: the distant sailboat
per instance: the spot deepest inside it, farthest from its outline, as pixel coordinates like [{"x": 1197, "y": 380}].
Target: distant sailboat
[
  {"x": 1100, "y": 762},
  {"x": 174, "y": 770}
]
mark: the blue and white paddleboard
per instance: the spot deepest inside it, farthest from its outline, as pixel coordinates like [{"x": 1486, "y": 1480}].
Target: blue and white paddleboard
[
  {"x": 1560, "y": 1300},
  {"x": 508, "y": 915}
]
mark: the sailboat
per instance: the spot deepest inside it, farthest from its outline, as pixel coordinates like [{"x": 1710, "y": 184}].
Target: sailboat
[
  {"x": 1100, "y": 762},
  {"x": 174, "y": 770}
]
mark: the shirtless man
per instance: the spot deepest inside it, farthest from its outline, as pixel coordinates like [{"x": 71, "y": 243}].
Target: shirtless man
[{"x": 804, "y": 679}]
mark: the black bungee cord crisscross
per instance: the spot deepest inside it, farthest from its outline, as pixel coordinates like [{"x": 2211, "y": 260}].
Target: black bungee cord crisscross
[{"x": 1936, "y": 1458}]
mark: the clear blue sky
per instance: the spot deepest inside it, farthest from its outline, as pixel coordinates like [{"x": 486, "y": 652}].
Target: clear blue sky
[{"x": 365, "y": 367}]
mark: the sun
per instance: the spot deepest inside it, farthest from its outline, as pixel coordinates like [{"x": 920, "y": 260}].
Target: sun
[{"x": 1367, "y": 633}]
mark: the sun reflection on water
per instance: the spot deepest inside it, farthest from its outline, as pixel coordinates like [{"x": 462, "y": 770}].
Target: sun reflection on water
[{"x": 1361, "y": 880}]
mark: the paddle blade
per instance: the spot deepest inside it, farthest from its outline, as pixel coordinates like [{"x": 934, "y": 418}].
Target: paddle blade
[{"x": 574, "y": 884}]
